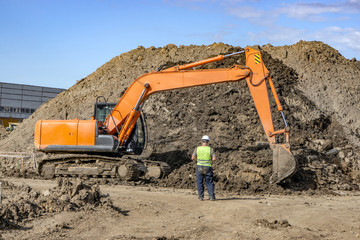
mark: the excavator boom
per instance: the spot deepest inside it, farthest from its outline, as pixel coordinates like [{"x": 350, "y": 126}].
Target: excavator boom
[{"x": 122, "y": 121}]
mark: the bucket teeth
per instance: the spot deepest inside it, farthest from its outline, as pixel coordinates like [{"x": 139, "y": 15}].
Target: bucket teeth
[{"x": 284, "y": 163}]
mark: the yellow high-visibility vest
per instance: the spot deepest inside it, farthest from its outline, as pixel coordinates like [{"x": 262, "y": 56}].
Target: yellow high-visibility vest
[{"x": 203, "y": 155}]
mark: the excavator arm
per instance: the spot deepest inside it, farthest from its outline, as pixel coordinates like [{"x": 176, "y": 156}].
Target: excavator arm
[{"x": 121, "y": 121}]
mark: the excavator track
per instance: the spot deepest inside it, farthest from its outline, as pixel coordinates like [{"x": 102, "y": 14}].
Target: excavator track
[{"x": 98, "y": 166}]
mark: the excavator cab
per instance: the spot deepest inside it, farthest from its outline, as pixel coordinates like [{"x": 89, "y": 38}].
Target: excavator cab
[{"x": 136, "y": 142}]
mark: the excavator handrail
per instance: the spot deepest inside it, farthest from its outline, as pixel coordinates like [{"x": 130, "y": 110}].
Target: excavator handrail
[{"x": 202, "y": 62}]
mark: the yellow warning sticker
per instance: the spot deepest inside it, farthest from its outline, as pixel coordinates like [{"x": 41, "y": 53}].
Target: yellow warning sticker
[{"x": 257, "y": 58}]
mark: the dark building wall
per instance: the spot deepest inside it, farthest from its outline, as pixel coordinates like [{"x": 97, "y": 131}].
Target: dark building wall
[{"x": 18, "y": 101}]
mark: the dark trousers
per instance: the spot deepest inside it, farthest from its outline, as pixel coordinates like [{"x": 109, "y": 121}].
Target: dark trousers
[{"x": 207, "y": 173}]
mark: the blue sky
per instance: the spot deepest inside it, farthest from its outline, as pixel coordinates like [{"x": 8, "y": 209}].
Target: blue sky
[{"x": 54, "y": 43}]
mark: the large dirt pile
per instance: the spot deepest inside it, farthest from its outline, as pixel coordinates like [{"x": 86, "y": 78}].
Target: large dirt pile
[
  {"x": 326, "y": 78},
  {"x": 225, "y": 112},
  {"x": 22, "y": 203}
]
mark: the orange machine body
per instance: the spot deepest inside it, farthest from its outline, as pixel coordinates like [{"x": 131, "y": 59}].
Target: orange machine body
[{"x": 65, "y": 132}]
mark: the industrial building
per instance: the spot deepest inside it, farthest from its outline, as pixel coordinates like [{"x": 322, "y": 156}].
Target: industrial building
[{"x": 18, "y": 101}]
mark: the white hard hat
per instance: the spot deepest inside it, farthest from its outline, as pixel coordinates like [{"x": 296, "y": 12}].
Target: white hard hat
[{"x": 205, "y": 138}]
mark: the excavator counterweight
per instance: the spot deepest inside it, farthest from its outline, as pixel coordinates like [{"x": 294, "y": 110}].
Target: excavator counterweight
[{"x": 123, "y": 131}]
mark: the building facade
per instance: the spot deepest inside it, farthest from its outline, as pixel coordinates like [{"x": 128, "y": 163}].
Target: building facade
[{"x": 18, "y": 101}]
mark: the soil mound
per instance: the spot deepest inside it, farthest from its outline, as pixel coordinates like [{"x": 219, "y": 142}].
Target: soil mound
[
  {"x": 22, "y": 203},
  {"x": 3, "y": 132},
  {"x": 326, "y": 78},
  {"x": 323, "y": 134}
]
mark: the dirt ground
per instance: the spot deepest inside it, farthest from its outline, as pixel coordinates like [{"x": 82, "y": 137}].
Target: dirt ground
[{"x": 167, "y": 213}]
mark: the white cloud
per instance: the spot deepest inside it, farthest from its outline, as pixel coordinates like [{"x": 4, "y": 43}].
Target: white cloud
[
  {"x": 345, "y": 40},
  {"x": 309, "y": 11},
  {"x": 341, "y": 38},
  {"x": 255, "y": 16},
  {"x": 315, "y": 11},
  {"x": 353, "y": 6}
]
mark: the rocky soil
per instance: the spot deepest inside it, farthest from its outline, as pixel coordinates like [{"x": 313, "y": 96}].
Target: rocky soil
[
  {"x": 22, "y": 203},
  {"x": 316, "y": 85},
  {"x": 3, "y": 132}
]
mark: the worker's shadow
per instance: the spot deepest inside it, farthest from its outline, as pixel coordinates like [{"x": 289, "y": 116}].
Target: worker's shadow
[
  {"x": 175, "y": 159},
  {"x": 239, "y": 198},
  {"x": 120, "y": 211}
]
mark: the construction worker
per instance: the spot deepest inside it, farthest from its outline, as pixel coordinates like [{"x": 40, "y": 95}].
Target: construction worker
[{"x": 204, "y": 155}]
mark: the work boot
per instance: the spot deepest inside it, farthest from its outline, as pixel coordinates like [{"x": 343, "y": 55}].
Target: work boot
[
  {"x": 212, "y": 199},
  {"x": 201, "y": 198}
]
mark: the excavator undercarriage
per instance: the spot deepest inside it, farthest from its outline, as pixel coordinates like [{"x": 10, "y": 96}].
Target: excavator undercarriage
[{"x": 97, "y": 166}]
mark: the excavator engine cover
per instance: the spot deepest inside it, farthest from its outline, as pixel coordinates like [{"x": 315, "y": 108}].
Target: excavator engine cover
[{"x": 284, "y": 163}]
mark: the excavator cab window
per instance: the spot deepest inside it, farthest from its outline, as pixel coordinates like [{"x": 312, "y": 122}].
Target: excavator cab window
[{"x": 101, "y": 110}]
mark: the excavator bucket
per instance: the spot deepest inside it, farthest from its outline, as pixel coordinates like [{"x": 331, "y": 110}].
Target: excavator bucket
[{"x": 284, "y": 163}]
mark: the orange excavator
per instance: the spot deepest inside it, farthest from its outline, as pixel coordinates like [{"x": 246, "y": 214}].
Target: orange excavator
[{"x": 96, "y": 147}]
